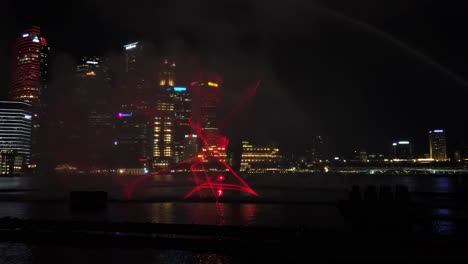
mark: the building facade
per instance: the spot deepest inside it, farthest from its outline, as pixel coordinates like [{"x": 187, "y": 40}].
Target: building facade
[
  {"x": 259, "y": 157},
  {"x": 402, "y": 150},
  {"x": 29, "y": 76},
  {"x": 191, "y": 146},
  {"x": 182, "y": 99},
  {"x": 93, "y": 98},
  {"x": 16, "y": 131},
  {"x": 7, "y": 162},
  {"x": 164, "y": 119},
  {"x": 438, "y": 145}
]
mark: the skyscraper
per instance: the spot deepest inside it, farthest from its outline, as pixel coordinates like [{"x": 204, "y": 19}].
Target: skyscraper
[
  {"x": 164, "y": 119},
  {"x": 182, "y": 99},
  {"x": 132, "y": 143},
  {"x": 437, "y": 145},
  {"x": 191, "y": 146},
  {"x": 29, "y": 75},
  {"x": 402, "y": 150},
  {"x": 15, "y": 132},
  {"x": 133, "y": 136},
  {"x": 93, "y": 100},
  {"x": 315, "y": 152},
  {"x": 29, "y": 67},
  {"x": 206, "y": 99}
]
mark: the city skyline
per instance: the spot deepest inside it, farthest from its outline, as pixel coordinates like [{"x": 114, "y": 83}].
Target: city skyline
[{"x": 320, "y": 101}]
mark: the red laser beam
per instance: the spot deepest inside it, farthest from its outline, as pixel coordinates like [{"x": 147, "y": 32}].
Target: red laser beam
[
  {"x": 214, "y": 146},
  {"x": 246, "y": 99}
]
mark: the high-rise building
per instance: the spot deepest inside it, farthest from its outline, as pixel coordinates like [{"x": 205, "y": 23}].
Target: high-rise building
[
  {"x": 29, "y": 67},
  {"x": 89, "y": 67},
  {"x": 315, "y": 152},
  {"x": 438, "y": 145},
  {"x": 132, "y": 143},
  {"x": 165, "y": 119},
  {"x": 15, "y": 131},
  {"x": 133, "y": 137},
  {"x": 402, "y": 150},
  {"x": 206, "y": 99},
  {"x": 133, "y": 52},
  {"x": 182, "y": 99},
  {"x": 29, "y": 75},
  {"x": 93, "y": 99},
  {"x": 191, "y": 146}
]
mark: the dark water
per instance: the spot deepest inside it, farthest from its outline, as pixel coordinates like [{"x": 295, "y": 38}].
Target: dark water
[
  {"x": 276, "y": 206},
  {"x": 14, "y": 253}
]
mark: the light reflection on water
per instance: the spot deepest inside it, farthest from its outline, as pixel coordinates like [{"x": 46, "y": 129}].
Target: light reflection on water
[
  {"x": 56, "y": 254},
  {"x": 443, "y": 184}
]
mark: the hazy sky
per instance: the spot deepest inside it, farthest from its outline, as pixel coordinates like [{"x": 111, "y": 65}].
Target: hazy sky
[{"x": 359, "y": 73}]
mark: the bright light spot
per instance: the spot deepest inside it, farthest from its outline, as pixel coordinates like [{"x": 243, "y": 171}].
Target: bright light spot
[
  {"x": 221, "y": 178},
  {"x": 220, "y": 192},
  {"x": 121, "y": 171},
  {"x": 25, "y": 35},
  {"x": 438, "y": 131},
  {"x": 180, "y": 89},
  {"x": 92, "y": 62},
  {"x": 326, "y": 168},
  {"x": 213, "y": 84},
  {"x": 394, "y": 144},
  {"x": 403, "y": 142},
  {"x": 27, "y": 116},
  {"x": 120, "y": 115},
  {"x": 337, "y": 158},
  {"x": 36, "y": 39},
  {"x": 131, "y": 46},
  {"x": 116, "y": 143},
  {"x": 91, "y": 73}
]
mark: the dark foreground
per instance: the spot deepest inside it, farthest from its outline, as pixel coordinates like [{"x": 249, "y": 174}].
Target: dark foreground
[{"x": 66, "y": 241}]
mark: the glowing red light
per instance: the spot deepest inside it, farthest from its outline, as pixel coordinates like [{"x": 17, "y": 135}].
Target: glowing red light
[
  {"x": 143, "y": 160},
  {"x": 214, "y": 144}
]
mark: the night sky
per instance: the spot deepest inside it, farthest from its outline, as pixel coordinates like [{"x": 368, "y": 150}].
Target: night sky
[{"x": 359, "y": 73}]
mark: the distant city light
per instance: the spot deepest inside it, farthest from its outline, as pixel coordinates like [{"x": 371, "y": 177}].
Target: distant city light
[
  {"x": 116, "y": 143},
  {"x": 180, "y": 89},
  {"x": 165, "y": 61},
  {"x": 403, "y": 142},
  {"x": 131, "y": 46},
  {"x": 36, "y": 39},
  {"x": 213, "y": 84},
  {"x": 438, "y": 131},
  {"x": 27, "y": 116},
  {"x": 120, "y": 115},
  {"x": 337, "y": 158},
  {"x": 91, "y": 73},
  {"x": 191, "y": 136},
  {"x": 25, "y": 35},
  {"x": 92, "y": 62}
]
